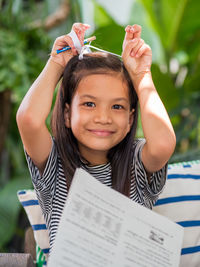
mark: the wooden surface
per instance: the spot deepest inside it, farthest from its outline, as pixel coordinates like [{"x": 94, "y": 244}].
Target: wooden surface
[
  {"x": 29, "y": 243},
  {"x": 16, "y": 260}
]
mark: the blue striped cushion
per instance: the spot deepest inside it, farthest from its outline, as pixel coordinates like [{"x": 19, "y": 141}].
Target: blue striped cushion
[
  {"x": 180, "y": 202},
  {"x": 30, "y": 203}
]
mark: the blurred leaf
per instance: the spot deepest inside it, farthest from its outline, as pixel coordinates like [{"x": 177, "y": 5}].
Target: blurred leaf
[
  {"x": 9, "y": 206},
  {"x": 109, "y": 34},
  {"x": 169, "y": 94},
  {"x": 101, "y": 17},
  {"x": 177, "y": 24},
  {"x": 110, "y": 37},
  {"x": 192, "y": 81},
  {"x": 175, "y": 21},
  {"x": 16, "y": 7},
  {"x": 182, "y": 57},
  {"x": 22, "y": 54},
  {"x": 139, "y": 15},
  {"x": 190, "y": 155},
  {"x": 189, "y": 32},
  {"x": 17, "y": 60},
  {"x": 152, "y": 12}
]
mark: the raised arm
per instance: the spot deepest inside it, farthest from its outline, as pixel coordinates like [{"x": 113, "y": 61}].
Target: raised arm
[
  {"x": 157, "y": 128},
  {"x": 36, "y": 105}
]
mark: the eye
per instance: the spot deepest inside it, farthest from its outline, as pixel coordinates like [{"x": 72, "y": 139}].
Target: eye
[
  {"x": 116, "y": 106},
  {"x": 89, "y": 104}
]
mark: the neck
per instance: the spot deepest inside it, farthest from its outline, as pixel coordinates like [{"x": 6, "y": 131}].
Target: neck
[{"x": 96, "y": 158}]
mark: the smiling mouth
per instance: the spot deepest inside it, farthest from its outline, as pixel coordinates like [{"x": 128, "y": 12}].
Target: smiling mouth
[{"x": 102, "y": 133}]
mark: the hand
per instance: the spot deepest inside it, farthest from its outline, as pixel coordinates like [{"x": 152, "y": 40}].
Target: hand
[
  {"x": 136, "y": 55},
  {"x": 66, "y": 40}
]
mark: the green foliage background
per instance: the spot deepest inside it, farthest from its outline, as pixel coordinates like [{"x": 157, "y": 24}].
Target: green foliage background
[{"x": 171, "y": 28}]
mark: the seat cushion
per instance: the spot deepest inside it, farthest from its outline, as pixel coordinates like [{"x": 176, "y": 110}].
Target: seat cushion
[
  {"x": 29, "y": 201},
  {"x": 180, "y": 202}
]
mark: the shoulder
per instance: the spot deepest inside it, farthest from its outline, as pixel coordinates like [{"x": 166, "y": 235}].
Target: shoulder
[
  {"x": 141, "y": 190},
  {"x": 50, "y": 167},
  {"x": 138, "y": 144}
]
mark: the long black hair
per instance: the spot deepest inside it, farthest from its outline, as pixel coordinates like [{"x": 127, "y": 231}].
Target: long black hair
[{"x": 121, "y": 155}]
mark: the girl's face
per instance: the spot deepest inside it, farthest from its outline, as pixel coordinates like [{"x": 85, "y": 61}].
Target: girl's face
[{"x": 99, "y": 115}]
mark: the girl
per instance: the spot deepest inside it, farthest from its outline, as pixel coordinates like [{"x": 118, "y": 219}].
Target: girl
[{"x": 94, "y": 123}]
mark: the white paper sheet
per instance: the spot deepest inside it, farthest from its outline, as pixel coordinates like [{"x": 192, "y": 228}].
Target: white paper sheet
[{"x": 101, "y": 227}]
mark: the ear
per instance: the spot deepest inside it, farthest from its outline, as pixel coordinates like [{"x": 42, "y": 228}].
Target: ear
[
  {"x": 67, "y": 116},
  {"x": 131, "y": 118}
]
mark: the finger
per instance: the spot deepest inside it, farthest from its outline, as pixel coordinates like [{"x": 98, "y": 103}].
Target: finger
[
  {"x": 137, "y": 29},
  {"x": 137, "y": 47},
  {"x": 143, "y": 50},
  {"x": 132, "y": 32},
  {"x": 63, "y": 41},
  {"x": 80, "y": 26},
  {"x": 68, "y": 41},
  {"x": 129, "y": 33},
  {"x": 80, "y": 29},
  {"x": 130, "y": 45}
]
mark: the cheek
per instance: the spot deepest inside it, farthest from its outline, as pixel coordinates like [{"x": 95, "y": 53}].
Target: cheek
[
  {"x": 126, "y": 125},
  {"x": 75, "y": 119},
  {"x": 78, "y": 119},
  {"x": 72, "y": 118},
  {"x": 124, "y": 121}
]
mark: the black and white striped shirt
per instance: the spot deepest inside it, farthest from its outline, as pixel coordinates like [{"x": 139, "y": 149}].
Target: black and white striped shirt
[{"x": 51, "y": 188}]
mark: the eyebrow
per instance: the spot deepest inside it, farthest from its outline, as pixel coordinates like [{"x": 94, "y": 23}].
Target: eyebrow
[{"x": 115, "y": 99}]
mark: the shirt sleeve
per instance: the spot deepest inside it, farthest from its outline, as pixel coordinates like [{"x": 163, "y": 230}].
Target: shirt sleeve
[
  {"x": 44, "y": 184},
  {"x": 150, "y": 191}
]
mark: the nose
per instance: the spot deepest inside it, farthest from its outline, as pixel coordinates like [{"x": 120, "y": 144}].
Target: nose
[{"x": 103, "y": 116}]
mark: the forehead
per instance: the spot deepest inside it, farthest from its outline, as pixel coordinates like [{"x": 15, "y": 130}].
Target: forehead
[{"x": 103, "y": 85}]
